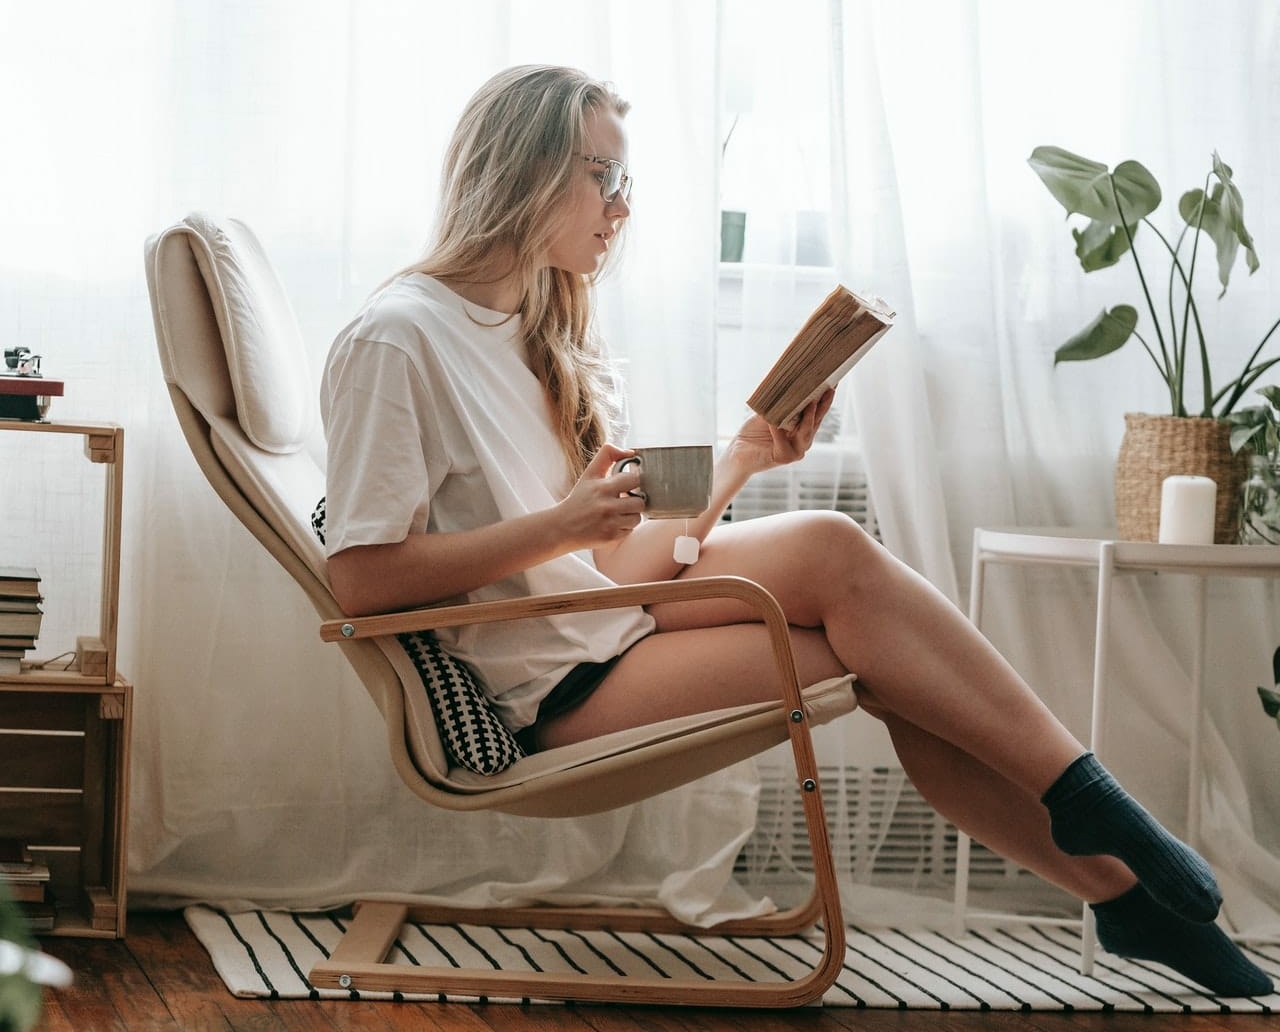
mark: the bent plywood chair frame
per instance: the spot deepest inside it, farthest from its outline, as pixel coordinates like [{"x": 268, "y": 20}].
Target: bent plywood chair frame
[
  {"x": 194, "y": 320},
  {"x": 373, "y": 932}
]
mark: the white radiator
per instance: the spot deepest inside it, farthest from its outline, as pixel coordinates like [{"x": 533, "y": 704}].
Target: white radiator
[
  {"x": 831, "y": 476},
  {"x": 882, "y": 832}
]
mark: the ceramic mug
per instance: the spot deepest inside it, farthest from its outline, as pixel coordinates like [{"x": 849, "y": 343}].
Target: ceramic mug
[{"x": 675, "y": 481}]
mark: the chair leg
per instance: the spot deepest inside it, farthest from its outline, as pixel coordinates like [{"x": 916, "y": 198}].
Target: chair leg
[
  {"x": 616, "y": 919},
  {"x": 359, "y": 960}
]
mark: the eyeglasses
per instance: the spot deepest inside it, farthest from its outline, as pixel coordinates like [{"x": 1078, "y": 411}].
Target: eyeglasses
[{"x": 615, "y": 181}]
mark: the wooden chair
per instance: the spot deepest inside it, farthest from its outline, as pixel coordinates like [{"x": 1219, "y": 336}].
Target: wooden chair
[{"x": 235, "y": 366}]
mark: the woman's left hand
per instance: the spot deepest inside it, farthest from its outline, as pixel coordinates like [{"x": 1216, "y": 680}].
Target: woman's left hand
[{"x": 759, "y": 446}]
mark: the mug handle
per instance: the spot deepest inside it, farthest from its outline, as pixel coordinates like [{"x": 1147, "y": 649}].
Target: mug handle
[{"x": 621, "y": 467}]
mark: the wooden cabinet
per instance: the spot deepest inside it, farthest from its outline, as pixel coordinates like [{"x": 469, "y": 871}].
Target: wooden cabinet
[{"x": 65, "y": 737}]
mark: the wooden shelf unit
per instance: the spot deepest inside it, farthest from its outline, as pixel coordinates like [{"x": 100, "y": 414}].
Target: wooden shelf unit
[{"x": 65, "y": 738}]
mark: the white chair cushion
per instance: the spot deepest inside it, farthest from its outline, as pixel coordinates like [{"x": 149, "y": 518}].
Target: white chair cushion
[
  {"x": 721, "y": 736},
  {"x": 270, "y": 375},
  {"x": 283, "y": 488}
]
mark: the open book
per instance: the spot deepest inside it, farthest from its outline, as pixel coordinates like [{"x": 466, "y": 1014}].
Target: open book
[{"x": 838, "y": 333}]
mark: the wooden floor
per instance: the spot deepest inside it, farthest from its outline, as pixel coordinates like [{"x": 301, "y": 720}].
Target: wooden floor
[{"x": 160, "y": 979}]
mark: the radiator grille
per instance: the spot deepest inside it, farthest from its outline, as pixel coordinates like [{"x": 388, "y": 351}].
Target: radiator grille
[
  {"x": 883, "y": 831},
  {"x": 831, "y": 476}
]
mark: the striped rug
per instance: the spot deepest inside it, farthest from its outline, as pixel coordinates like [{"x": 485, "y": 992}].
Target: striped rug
[{"x": 1019, "y": 968}]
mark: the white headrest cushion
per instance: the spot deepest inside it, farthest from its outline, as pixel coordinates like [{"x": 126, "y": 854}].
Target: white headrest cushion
[{"x": 265, "y": 355}]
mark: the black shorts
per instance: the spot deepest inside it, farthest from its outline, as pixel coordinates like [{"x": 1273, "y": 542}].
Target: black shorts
[{"x": 570, "y": 691}]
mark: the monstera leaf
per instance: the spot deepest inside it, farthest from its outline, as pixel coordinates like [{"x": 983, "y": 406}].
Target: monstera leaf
[
  {"x": 1105, "y": 334},
  {"x": 1221, "y": 216},
  {"x": 1100, "y": 244},
  {"x": 1086, "y": 187}
]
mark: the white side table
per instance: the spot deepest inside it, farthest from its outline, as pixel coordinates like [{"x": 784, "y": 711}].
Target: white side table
[{"x": 1100, "y": 550}]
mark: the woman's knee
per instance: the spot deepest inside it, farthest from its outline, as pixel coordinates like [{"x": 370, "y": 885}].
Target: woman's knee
[
  {"x": 832, "y": 526},
  {"x": 810, "y": 560},
  {"x": 832, "y": 543}
]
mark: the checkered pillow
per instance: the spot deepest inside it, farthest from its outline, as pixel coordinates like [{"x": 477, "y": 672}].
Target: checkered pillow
[{"x": 473, "y": 735}]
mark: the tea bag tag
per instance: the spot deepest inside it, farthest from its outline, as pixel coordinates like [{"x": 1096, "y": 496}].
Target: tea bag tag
[{"x": 686, "y": 550}]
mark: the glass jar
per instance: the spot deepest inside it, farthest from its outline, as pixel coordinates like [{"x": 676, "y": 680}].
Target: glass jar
[{"x": 1260, "y": 503}]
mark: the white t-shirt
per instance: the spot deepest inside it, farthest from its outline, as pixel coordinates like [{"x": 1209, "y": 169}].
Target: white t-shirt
[{"x": 434, "y": 422}]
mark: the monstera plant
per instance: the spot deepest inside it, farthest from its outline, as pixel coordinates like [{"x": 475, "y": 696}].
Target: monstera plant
[{"x": 1118, "y": 202}]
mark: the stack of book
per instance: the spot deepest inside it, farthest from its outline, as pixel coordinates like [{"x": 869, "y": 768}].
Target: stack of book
[
  {"x": 20, "y": 615},
  {"x": 26, "y": 882}
]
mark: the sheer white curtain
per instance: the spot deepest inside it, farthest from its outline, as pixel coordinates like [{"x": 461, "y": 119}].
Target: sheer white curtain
[
  {"x": 962, "y": 416},
  {"x": 259, "y": 768},
  {"x": 910, "y": 133}
]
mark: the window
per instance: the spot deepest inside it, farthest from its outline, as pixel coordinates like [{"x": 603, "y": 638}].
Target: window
[
  {"x": 775, "y": 133},
  {"x": 776, "y": 261}
]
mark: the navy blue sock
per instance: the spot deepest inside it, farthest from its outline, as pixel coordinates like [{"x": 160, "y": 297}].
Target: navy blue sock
[
  {"x": 1136, "y": 926},
  {"x": 1091, "y": 815}
]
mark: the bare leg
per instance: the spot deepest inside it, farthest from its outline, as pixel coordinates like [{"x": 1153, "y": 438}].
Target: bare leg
[
  {"x": 973, "y": 737},
  {"x": 677, "y": 673},
  {"x": 912, "y": 650},
  {"x": 1001, "y": 816},
  {"x": 682, "y": 672},
  {"x": 920, "y": 661}
]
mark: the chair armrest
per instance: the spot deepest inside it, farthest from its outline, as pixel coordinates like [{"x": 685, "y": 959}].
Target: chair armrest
[
  {"x": 650, "y": 593},
  {"x": 431, "y": 617}
]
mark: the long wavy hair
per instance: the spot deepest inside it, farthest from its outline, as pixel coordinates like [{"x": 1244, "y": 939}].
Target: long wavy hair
[{"x": 507, "y": 176}]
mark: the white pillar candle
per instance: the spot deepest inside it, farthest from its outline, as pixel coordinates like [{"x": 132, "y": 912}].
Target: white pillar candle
[{"x": 1187, "y": 510}]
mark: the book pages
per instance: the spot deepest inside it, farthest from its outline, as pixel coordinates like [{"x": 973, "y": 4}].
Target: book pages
[{"x": 832, "y": 340}]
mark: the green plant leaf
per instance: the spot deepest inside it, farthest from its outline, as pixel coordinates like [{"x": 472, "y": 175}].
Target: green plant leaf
[
  {"x": 1100, "y": 244},
  {"x": 1084, "y": 187},
  {"x": 1222, "y": 219},
  {"x": 1255, "y": 427},
  {"x": 1107, "y": 333},
  {"x": 1275, "y": 667},
  {"x": 1243, "y": 434},
  {"x": 1270, "y": 701},
  {"x": 1214, "y": 223},
  {"x": 1233, "y": 207}
]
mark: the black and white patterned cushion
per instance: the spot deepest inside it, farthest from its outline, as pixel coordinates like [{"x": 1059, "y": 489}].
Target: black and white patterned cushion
[
  {"x": 317, "y": 520},
  {"x": 473, "y": 735}
]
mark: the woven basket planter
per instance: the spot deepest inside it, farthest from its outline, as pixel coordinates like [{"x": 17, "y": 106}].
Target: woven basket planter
[{"x": 1155, "y": 447}]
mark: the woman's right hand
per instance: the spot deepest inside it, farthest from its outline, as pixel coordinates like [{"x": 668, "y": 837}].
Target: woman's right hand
[{"x": 599, "y": 511}]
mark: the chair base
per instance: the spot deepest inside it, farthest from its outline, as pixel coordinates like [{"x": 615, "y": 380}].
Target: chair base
[{"x": 359, "y": 960}]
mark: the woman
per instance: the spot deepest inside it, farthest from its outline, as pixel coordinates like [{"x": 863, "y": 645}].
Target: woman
[{"x": 470, "y": 419}]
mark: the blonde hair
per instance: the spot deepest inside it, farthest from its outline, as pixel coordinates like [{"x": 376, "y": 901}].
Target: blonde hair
[{"x": 507, "y": 173}]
